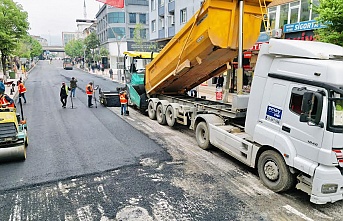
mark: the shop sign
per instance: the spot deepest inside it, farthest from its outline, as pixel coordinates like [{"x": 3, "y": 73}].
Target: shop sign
[
  {"x": 257, "y": 46},
  {"x": 304, "y": 36},
  {"x": 302, "y": 26}
]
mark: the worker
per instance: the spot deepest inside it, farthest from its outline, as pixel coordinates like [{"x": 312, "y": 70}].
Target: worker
[
  {"x": 64, "y": 94},
  {"x": 89, "y": 92},
  {"x": 123, "y": 102},
  {"x": 5, "y": 100},
  {"x": 73, "y": 86},
  {"x": 22, "y": 90}
]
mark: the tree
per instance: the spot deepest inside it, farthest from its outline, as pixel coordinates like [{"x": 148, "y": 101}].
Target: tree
[
  {"x": 29, "y": 47},
  {"x": 36, "y": 48},
  {"x": 92, "y": 42},
  {"x": 13, "y": 28},
  {"x": 331, "y": 14},
  {"x": 75, "y": 48},
  {"x": 137, "y": 37},
  {"x": 104, "y": 52}
]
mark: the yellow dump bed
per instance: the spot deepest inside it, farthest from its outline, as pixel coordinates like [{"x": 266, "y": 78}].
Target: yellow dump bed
[{"x": 204, "y": 46}]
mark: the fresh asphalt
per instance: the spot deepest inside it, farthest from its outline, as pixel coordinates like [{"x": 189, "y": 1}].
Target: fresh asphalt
[{"x": 71, "y": 142}]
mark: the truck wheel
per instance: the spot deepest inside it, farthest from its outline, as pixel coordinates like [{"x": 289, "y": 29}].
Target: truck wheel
[
  {"x": 170, "y": 116},
  {"x": 202, "y": 136},
  {"x": 151, "y": 111},
  {"x": 274, "y": 172},
  {"x": 161, "y": 118}
]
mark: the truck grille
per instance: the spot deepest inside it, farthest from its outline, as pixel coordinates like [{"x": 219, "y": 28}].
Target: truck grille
[{"x": 7, "y": 130}]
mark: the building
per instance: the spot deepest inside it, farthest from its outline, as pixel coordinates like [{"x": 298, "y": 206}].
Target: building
[
  {"x": 167, "y": 17},
  {"x": 85, "y": 27},
  {"x": 68, "y": 36},
  {"x": 293, "y": 19},
  {"x": 116, "y": 30},
  {"x": 41, "y": 40}
]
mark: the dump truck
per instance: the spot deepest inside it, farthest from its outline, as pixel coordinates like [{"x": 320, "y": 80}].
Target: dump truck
[
  {"x": 289, "y": 127},
  {"x": 13, "y": 135}
]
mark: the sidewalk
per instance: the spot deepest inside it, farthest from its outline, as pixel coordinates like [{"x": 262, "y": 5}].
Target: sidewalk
[{"x": 8, "y": 87}]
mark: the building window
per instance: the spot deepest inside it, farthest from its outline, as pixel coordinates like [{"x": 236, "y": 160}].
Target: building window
[
  {"x": 171, "y": 20},
  {"x": 116, "y": 17},
  {"x": 183, "y": 16},
  {"x": 142, "y": 18},
  {"x": 171, "y": 0},
  {"x": 305, "y": 10},
  {"x": 272, "y": 17},
  {"x": 161, "y": 20},
  {"x": 294, "y": 12},
  {"x": 132, "y": 18},
  {"x": 161, "y": 3},
  {"x": 284, "y": 14},
  {"x": 143, "y": 33},
  {"x": 117, "y": 33},
  {"x": 132, "y": 32},
  {"x": 153, "y": 5},
  {"x": 153, "y": 25},
  {"x": 313, "y": 13}
]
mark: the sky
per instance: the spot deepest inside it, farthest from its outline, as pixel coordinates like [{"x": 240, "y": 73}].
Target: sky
[{"x": 49, "y": 18}]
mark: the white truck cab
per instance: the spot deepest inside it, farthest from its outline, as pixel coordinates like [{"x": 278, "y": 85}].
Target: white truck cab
[{"x": 295, "y": 110}]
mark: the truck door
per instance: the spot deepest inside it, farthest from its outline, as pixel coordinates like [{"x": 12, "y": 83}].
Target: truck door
[{"x": 306, "y": 139}]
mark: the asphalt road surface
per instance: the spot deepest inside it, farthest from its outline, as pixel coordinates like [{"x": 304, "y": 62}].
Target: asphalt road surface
[{"x": 93, "y": 164}]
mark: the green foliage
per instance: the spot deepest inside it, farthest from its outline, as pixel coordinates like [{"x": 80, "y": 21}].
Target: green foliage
[
  {"x": 104, "y": 52},
  {"x": 92, "y": 41},
  {"x": 75, "y": 48},
  {"x": 13, "y": 27},
  {"x": 137, "y": 36},
  {"x": 36, "y": 48},
  {"x": 28, "y": 47},
  {"x": 331, "y": 14}
]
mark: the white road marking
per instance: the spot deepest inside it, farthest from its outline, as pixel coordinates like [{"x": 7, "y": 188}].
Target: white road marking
[
  {"x": 296, "y": 212},
  {"x": 15, "y": 216},
  {"x": 149, "y": 129}
]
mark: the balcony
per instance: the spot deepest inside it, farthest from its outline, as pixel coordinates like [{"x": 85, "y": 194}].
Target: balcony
[
  {"x": 171, "y": 31},
  {"x": 161, "y": 33},
  {"x": 161, "y": 11},
  {"x": 136, "y": 2},
  {"x": 171, "y": 6}
]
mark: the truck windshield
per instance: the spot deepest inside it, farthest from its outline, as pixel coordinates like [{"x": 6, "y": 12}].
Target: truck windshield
[{"x": 336, "y": 102}]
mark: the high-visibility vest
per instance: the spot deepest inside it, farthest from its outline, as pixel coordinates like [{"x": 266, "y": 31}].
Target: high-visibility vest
[
  {"x": 4, "y": 101},
  {"x": 122, "y": 98},
  {"x": 89, "y": 89},
  {"x": 22, "y": 88}
]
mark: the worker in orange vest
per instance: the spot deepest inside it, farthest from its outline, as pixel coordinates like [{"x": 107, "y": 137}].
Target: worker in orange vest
[
  {"x": 89, "y": 92},
  {"x": 22, "y": 90},
  {"x": 123, "y": 102},
  {"x": 5, "y": 100}
]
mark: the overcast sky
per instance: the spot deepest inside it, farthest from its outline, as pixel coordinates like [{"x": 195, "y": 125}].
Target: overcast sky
[{"x": 49, "y": 18}]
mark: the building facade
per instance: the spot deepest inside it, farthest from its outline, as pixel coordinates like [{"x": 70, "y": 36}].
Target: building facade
[
  {"x": 293, "y": 19},
  {"x": 123, "y": 29},
  {"x": 167, "y": 17}
]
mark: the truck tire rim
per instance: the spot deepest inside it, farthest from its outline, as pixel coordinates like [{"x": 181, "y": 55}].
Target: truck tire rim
[
  {"x": 203, "y": 135},
  {"x": 271, "y": 170}
]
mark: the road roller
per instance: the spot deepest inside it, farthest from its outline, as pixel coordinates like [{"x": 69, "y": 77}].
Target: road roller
[{"x": 13, "y": 134}]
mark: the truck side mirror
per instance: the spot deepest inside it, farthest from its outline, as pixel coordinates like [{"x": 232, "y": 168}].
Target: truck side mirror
[{"x": 312, "y": 104}]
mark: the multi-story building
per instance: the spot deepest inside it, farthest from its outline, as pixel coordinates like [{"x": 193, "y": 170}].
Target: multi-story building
[
  {"x": 294, "y": 18},
  {"x": 116, "y": 28},
  {"x": 68, "y": 36},
  {"x": 167, "y": 17},
  {"x": 41, "y": 40},
  {"x": 84, "y": 26}
]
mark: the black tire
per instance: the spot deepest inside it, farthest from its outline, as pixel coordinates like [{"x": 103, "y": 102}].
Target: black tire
[
  {"x": 202, "y": 135},
  {"x": 151, "y": 111},
  {"x": 161, "y": 118},
  {"x": 274, "y": 172},
  {"x": 170, "y": 116}
]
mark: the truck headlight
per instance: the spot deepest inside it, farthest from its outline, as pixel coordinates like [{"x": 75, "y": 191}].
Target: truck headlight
[{"x": 329, "y": 188}]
